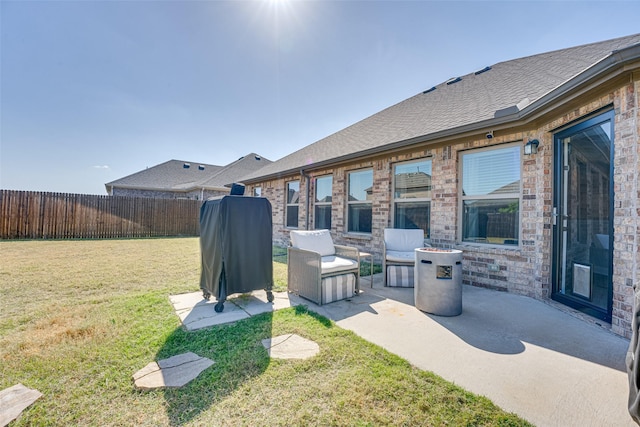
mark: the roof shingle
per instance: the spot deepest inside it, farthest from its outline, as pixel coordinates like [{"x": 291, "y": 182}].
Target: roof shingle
[
  {"x": 475, "y": 98},
  {"x": 179, "y": 175}
]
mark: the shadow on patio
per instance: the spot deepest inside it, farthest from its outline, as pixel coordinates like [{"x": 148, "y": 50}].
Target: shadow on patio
[
  {"x": 527, "y": 356},
  {"x": 496, "y": 322}
]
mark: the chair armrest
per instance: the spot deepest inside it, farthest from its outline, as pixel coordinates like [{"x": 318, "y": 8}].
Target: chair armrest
[
  {"x": 304, "y": 271},
  {"x": 303, "y": 257},
  {"x": 347, "y": 252}
]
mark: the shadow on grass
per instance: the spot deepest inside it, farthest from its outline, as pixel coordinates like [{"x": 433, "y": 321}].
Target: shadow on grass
[
  {"x": 237, "y": 353},
  {"x": 279, "y": 254},
  {"x": 303, "y": 310},
  {"x": 238, "y": 356}
]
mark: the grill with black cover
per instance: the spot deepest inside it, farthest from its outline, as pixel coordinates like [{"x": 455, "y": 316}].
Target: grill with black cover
[{"x": 236, "y": 247}]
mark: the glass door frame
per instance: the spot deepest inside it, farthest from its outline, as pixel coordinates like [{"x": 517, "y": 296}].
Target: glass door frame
[{"x": 558, "y": 215}]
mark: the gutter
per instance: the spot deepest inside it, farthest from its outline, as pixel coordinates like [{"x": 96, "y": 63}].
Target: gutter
[
  {"x": 505, "y": 116},
  {"x": 306, "y": 185},
  {"x": 170, "y": 189}
]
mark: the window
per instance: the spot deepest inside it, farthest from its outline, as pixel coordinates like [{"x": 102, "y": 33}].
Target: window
[
  {"x": 257, "y": 191},
  {"x": 322, "y": 209},
  {"x": 491, "y": 196},
  {"x": 412, "y": 195},
  {"x": 293, "y": 198},
  {"x": 359, "y": 201}
]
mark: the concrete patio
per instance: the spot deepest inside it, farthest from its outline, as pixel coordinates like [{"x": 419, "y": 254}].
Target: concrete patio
[{"x": 532, "y": 358}]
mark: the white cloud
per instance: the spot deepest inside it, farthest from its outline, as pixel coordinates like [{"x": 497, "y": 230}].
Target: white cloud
[{"x": 101, "y": 167}]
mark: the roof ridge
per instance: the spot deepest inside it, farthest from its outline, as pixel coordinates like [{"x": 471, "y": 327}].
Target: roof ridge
[
  {"x": 190, "y": 162},
  {"x": 565, "y": 49}
]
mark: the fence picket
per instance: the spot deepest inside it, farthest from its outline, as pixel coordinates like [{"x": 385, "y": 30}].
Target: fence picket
[{"x": 43, "y": 215}]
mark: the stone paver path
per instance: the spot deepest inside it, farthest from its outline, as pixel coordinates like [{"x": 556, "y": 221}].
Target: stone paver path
[
  {"x": 196, "y": 313},
  {"x": 175, "y": 371}
]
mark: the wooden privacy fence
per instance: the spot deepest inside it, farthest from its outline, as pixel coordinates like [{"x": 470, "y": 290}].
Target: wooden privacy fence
[{"x": 37, "y": 215}]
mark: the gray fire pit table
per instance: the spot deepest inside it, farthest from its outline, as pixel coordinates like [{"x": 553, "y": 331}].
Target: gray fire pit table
[{"x": 438, "y": 281}]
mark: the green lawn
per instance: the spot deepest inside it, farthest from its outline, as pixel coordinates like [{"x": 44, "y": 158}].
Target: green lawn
[{"x": 78, "y": 318}]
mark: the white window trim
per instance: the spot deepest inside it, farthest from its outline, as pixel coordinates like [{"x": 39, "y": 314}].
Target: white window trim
[
  {"x": 287, "y": 204},
  {"x": 395, "y": 200},
  {"x": 315, "y": 195},
  {"x": 358, "y": 202},
  {"x": 462, "y": 198}
]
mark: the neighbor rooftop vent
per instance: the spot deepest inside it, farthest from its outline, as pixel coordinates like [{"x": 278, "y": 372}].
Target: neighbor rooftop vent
[
  {"x": 453, "y": 80},
  {"x": 484, "y": 70},
  {"x": 186, "y": 165},
  {"x": 201, "y": 167},
  {"x": 430, "y": 90},
  {"x": 258, "y": 158}
]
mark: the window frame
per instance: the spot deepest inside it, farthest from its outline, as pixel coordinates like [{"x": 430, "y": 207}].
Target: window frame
[
  {"x": 502, "y": 196},
  {"x": 350, "y": 203},
  {"x": 288, "y": 205},
  {"x": 322, "y": 204},
  {"x": 395, "y": 201},
  {"x": 255, "y": 190}
]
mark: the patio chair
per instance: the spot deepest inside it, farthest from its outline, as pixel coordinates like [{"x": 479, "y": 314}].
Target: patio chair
[
  {"x": 320, "y": 271},
  {"x": 398, "y": 261}
]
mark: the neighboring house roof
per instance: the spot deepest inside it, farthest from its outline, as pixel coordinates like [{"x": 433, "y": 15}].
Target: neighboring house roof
[
  {"x": 182, "y": 176},
  {"x": 413, "y": 181},
  {"x": 503, "y": 93},
  {"x": 234, "y": 172}
]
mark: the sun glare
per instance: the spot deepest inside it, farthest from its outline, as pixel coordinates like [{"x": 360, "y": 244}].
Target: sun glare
[{"x": 277, "y": 3}]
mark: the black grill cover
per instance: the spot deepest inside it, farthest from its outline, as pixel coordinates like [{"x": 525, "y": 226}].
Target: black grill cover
[{"x": 235, "y": 245}]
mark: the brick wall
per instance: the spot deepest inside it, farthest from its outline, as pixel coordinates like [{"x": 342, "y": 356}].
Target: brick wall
[
  {"x": 626, "y": 223},
  {"x": 526, "y": 269},
  {"x": 192, "y": 195}
]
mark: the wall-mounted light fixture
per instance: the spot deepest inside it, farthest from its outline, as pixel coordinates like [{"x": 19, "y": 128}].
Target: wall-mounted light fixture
[{"x": 531, "y": 147}]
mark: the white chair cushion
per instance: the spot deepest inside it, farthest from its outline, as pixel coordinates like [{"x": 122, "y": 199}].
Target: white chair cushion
[
  {"x": 333, "y": 264},
  {"x": 401, "y": 256},
  {"x": 397, "y": 239},
  {"x": 319, "y": 241}
]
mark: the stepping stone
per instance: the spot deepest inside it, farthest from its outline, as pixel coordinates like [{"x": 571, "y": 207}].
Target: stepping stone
[
  {"x": 257, "y": 302},
  {"x": 196, "y": 312},
  {"x": 175, "y": 371},
  {"x": 290, "y": 346},
  {"x": 14, "y": 400}
]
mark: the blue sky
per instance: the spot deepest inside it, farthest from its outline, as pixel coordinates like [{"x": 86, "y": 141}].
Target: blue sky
[{"x": 92, "y": 91}]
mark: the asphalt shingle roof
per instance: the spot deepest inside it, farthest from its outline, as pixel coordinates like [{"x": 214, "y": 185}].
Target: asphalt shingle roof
[
  {"x": 173, "y": 175},
  {"x": 170, "y": 175},
  {"x": 234, "y": 172},
  {"x": 475, "y": 98}
]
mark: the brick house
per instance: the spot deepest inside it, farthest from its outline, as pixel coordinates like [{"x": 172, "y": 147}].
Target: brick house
[
  {"x": 529, "y": 166},
  {"x": 177, "y": 179}
]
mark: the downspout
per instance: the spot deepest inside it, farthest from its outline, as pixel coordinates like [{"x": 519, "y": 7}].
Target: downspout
[{"x": 307, "y": 183}]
